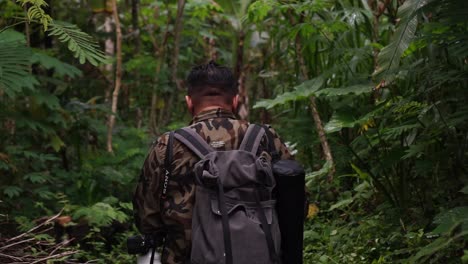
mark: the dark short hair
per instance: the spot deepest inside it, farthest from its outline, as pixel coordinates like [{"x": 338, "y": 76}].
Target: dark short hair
[{"x": 211, "y": 79}]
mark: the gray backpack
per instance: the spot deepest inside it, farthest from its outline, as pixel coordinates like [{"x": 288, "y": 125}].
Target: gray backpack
[{"x": 234, "y": 217}]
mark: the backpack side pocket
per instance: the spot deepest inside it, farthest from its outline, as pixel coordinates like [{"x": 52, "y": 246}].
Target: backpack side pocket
[{"x": 290, "y": 177}]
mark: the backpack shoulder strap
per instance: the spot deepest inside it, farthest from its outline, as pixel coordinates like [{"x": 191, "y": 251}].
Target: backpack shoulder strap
[
  {"x": 193, "y": 141},
  {"x": 271, "y": 143},
  {"x": 252, "y": 138}
]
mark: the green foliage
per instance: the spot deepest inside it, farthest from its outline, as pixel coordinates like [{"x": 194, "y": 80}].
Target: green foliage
[
  {"x": 401, "y": 139},
  {"x": 100, "y": 214},
  {"x": 301, "y": 92},
  {"x": 83, "y": 46},
  {"x": 50, "y": 63},
  {"x": 310, "y": 177},
  {"x": 12, "y": 191},
  {"x": 14, "y": 63},
  {"x": 390, "y": 89},
  {"x": 36, "y": 12},
  {"x": 258, "y": 10},
  {"x": 389, "y": 57}
]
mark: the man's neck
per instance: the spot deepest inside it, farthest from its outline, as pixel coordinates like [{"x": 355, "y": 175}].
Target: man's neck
[{"x": 204, "y": 109}]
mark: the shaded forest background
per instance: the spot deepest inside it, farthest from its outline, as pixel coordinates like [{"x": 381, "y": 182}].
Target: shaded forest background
[{"x": 371, "y": 95}]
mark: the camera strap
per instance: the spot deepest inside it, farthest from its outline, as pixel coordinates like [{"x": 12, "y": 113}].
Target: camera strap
[
  {"x": 167, "y": 166},
  {"x": 167, "y": 175}
]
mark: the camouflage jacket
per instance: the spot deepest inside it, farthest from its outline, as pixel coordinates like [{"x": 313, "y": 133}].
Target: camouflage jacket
[{"x": 221, "y": 130}]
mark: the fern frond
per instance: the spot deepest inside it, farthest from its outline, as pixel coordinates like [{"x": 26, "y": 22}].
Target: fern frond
[
  {"x": 101, "y": 214},
  {"x": 36, "y": 13},
  {"x": 84, "y": 47},
  {"x": 389, "y": 57},
  {"x": 14, "y": 63}
]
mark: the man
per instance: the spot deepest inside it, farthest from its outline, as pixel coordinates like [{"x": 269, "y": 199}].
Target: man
[{"x": 212, "y": 100}]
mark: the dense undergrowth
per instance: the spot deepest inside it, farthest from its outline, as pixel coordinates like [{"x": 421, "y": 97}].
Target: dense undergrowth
[{"x": 388, "y": 78}]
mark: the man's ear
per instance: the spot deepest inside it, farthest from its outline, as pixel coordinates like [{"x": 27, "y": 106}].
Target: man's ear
[
  {"x": 188, "y": 101},
  {"x": 235, "y": 103}
]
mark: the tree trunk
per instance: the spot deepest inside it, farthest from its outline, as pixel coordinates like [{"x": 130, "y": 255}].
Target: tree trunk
[
  {"x": 160, "y": 54},
  {"x": 211, "y": 52},
  {"x": 177, "y": 30},
  {"x": 137, "y": 43},
  {"x": 109, "y": 46},
  {"x": 178, "y": 25},
  {"x": 243, "y": 107},
  {"x": 118, "y": 76},
  {"x": 135, "y": 24},
  {"x": 153, "y": 109},
  {"x": 315, "y": 114}
]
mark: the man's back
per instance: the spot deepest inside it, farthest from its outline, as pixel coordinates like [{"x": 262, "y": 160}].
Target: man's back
[{"x": 222, "y": 131}]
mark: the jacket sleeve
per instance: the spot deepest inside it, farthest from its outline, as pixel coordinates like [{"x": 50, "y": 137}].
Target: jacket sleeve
[
  {"x": 281, "y": 148},
  {"x": 146, "y": 199}
]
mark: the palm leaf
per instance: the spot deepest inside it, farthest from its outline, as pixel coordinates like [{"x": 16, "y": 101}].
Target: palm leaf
[
  {"x": 301, "y": 92},
  {"x": 389, "y": 57},
  {"x": 84, "y": 47},
  {"x": 355, "y": 89},
  {"x": 14, "y": 63}
]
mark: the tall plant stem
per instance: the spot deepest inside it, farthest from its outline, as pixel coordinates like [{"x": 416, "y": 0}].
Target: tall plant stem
[
  {"x": 177, "y": 29},
  {"x": 315, "y": 114},
  {"x": 109, "y": 46},
  {"x": 159, "y": 50},
  {"x": 27, "y": 30},
  {"x": 137, "y": 42},
  {"x": 376, "y": 180},
  {"x": 118, "y": 76},
  {"x": 135, "y": 24},
  {"x": 178, "y": 26}
]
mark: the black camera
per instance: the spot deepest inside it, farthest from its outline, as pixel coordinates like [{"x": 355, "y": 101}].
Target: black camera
[{"x": 142, "y": 244}]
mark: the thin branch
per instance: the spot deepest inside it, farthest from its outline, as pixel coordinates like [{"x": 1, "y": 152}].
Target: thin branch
[
  {"x": 64, "y": 254},
  {"x": 61, "y": 245},
  {"x": 313, "y": 105},
  {"x": 12, "y": 25},
  {"x": 118, "y": 76},
  {"x": 11, "y": 257},
  {"x": 377, "y": 182},
  {"x": 177, "y": 30},
  {"x": 17, "y": 243},
  {"x": 35, "y": 228}
]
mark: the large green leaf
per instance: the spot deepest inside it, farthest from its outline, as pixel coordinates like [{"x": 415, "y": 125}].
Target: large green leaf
[
  {"x": 309, "y": 88},
  {"x": 302, "y": 91},
  {"x": 452, "y": 225},
  {"x": 338, "y": 121},
  {"x": 451, "y": 218},
  {"x": 389, "y": 57},
  {"x": 355, "y": 89},
  {"x": 49, "y": 62}
]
